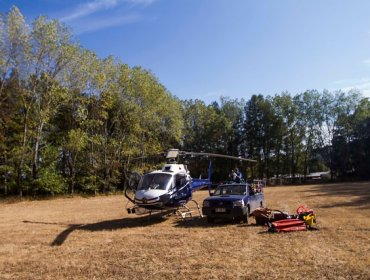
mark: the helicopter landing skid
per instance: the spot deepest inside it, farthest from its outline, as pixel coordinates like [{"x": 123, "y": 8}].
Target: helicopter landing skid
[
  {"x": 185, "y": 211},
  {"x": 149, "y": 212}
]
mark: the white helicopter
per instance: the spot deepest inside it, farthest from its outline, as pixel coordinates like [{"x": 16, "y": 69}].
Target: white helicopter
[{"x": 170, "y": 188}]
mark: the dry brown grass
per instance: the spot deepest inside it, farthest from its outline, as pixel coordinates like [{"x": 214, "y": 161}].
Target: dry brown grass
[{"x": 94, "y": 238}]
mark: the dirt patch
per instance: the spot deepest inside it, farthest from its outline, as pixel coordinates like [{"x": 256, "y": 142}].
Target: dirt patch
[{"x": 94, "y": 238}]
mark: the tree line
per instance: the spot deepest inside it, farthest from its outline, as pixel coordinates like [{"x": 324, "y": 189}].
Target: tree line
[{"x": 71, "y": 121}]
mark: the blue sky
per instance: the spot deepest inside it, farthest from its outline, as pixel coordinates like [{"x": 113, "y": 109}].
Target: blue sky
[{"x": 210, "y": 48}]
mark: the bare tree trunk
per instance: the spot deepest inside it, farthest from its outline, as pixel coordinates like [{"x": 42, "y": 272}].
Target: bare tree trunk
[
  {"x": 72, "y": 174},
  {"x": 22, "y": 156},
  {"x": 36, "y": 151},
  {"x": 292, "y": 165}
]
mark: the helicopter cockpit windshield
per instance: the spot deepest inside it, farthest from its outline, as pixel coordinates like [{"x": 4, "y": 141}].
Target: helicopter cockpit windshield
[{"x": 156, "y": 181}]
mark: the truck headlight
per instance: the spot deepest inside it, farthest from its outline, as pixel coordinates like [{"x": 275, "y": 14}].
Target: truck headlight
[
  {"x": 206, "y": 203},
  {"x": 238, "y": 203}
]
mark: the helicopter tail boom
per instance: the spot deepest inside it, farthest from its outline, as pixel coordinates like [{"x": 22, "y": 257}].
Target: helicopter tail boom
[{"x": 198, "y": 184}]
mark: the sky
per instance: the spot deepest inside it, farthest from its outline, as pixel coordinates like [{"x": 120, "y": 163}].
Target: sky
[{"x": 204, "y": 49}]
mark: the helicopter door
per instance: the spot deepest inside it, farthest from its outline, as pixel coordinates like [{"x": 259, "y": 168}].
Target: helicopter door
[
  {"x": 131, "y": 186},
  {"x": 181, "y": 192},
  {"x": 134, "y": 180}
]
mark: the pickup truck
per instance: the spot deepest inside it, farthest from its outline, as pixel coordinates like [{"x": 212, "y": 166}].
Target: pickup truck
[{"x": 234, "y": 201}]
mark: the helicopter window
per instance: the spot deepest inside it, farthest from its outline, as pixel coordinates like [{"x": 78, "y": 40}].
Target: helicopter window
[
  {"x": 230, "y": 190},
  {"x": 157, "y": 181}
]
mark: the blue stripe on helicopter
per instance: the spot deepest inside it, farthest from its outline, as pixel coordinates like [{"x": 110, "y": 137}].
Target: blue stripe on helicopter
[{"x": 200, "y": 183}]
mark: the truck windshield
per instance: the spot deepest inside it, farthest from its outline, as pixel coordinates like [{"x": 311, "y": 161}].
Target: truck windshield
[
  {"x": 230, "y": 190},
  {"x": 157, "y": 181}
]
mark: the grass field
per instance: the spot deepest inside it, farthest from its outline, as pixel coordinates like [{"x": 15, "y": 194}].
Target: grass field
[{"x": 94, "y": 238}]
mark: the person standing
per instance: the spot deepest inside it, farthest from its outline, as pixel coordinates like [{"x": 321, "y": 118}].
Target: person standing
[{"x": 239, "y": 175}]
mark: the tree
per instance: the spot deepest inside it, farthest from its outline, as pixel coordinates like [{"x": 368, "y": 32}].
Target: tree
[
  {"x": 70, "y": 119},
  {"x": 232, "y": 109},
  {"x": 262, "y": 128},
  {"x": 207, "y": 128},
  {"x": 51, "y": 45},
  {"x": 14, "y": 62},
  {"x": 310, "y": 118},
  {"x": 360, "y": 145},
  {"x": 335, "y": 108}
]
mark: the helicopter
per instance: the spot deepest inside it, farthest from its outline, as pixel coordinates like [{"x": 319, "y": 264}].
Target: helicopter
[{"x": 171, "y": 188}]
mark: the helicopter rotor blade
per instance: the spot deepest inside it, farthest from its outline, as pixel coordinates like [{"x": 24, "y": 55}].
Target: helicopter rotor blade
[{"x": 216, "y": 155}]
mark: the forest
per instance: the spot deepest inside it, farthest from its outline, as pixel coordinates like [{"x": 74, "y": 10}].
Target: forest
[{"x": 71, "y": 121}]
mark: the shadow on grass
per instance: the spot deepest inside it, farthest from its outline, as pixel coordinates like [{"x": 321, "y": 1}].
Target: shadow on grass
[
  {"x": 202, "y": 223},
  {"x": 191, "y": 223},
  {"x": 358, "y": 194},
  {"x": 102, "y": 226}
]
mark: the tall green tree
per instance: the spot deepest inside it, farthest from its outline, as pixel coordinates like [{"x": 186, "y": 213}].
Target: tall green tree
[
  {"x": 335, "y": 108},
  {"x": 360, "y": 142},
  {"x": 51, "y": 42},
  {"x": 15, "y": 62},
  {"x": 310, "y": 118},
  {"x": 262, "y": 127}
]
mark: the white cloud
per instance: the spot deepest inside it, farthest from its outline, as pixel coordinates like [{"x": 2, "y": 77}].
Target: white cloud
[
  {"x": 100, "y": 14},
  {"x": 367, "y": 61},
  {"x": 363, "y": 85},
  {"x": 98, "y": 24},
  {"x": 349, "y": 81},
  {"x": 140, "y": 2},
  {"x": 90, "y": 8}
]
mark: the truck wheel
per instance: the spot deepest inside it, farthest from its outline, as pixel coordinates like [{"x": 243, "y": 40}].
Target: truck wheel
[{"x": 210, "y": 219}]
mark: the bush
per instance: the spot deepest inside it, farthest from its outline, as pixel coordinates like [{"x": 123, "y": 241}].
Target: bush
[{"x": 49, "y": 182}]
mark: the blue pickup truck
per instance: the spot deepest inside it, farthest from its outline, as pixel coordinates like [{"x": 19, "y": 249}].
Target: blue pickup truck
[{"x": 234, "y": 201}]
